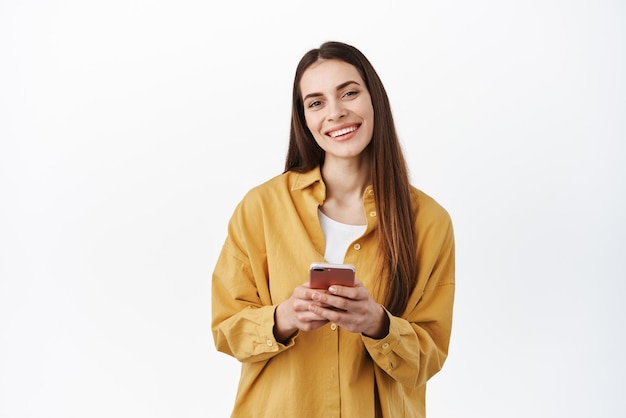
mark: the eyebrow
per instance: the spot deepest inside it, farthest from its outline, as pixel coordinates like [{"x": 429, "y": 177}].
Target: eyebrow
[{"x": 339, "y": 87}]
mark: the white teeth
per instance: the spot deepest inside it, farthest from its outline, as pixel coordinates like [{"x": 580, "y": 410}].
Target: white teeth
[{"x": 344, "y": 131}]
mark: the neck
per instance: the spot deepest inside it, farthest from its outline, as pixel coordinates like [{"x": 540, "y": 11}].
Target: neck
[
  {"x": 346, "y": 179},
  {"x": 345, "y": 183}
]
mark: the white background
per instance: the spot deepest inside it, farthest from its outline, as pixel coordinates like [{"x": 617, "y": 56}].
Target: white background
[{"x": 129, "y": 130}]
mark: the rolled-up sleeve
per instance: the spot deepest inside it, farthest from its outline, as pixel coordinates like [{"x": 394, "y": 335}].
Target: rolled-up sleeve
[
  {"x": 417, "y": 343},
  {"x": 242, "y": 310}
]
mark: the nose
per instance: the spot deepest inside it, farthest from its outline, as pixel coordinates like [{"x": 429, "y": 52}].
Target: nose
[{"x": 336, "y": 110}]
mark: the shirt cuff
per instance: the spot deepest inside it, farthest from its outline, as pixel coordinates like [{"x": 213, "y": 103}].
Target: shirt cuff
[{"x": 381, "y": 350}]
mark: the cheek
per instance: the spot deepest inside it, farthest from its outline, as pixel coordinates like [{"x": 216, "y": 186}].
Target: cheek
[
  {"x": 370, "y": 111},
  {"x": 312, "y": 123},
  {"x": 371, "y": 118}
]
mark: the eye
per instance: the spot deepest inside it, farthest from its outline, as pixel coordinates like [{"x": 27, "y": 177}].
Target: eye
[
  {"x": 350, "y": 93},
  {"x": 315, "y": 103}
]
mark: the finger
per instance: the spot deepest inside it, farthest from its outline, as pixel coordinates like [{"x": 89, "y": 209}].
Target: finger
[
  {"x": 301, "y": 305},
  {"x": 313, "y": 325},
  {"x": 309, "y": 316},
  {"x": 310, "y": 320},
  {"x": 355, "y": 293},
  {"x": 328, "y": 301},
  {"x": 345, "y": 319},
  {"x": 304, "y": 293}
]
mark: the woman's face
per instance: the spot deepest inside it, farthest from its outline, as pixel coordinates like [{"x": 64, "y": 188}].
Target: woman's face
[{"x": 337, "y": 108}]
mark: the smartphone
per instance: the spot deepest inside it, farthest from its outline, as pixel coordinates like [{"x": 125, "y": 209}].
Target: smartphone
[{"x": 322, "y": 275}]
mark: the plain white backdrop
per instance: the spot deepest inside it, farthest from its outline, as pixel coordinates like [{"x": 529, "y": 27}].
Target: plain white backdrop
[{"x": 129, "y": 130}]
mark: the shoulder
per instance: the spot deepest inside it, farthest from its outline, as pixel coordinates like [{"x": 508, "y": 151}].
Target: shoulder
[
  {"x": 276, "y": 184},
  {"x": 247, "y": 220},
  {"x": 283, "y": 185},
  {"x": 429, "y": 214},
  {"x": 426, "y": 205},
  {"x": 279, "y": 190}
]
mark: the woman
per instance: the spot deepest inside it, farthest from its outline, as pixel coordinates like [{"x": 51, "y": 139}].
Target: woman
[{"x": 345, "y": 197}]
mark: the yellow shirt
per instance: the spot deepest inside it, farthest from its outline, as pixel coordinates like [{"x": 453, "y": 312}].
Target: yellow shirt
[{"x": 273, "y": 237}]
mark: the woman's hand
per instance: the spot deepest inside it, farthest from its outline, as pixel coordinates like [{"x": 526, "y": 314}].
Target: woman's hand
[
  {"x": 296, "y": 314},
  {"x": 352, "y": 308}
]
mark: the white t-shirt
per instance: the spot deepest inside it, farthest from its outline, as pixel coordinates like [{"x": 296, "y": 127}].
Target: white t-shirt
[{"x": 338, "y": 237}]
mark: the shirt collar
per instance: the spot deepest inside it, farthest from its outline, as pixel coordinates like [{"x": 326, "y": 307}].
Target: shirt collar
[{"x": 301, "y": 181}]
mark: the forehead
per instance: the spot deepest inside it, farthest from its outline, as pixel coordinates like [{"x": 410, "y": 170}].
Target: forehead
[{"x": 325, "y": 75}]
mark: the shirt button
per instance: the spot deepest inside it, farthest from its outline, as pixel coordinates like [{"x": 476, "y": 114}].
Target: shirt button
[
  {"x": 357, "y": 246},
  {"x": 385, "y": 346},
  {"x": 333, "y": 327},
  {"x": 373, "y": 213},
  {"x": 269, "y": 343}
]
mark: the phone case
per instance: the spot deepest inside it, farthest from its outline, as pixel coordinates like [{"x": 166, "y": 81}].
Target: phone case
[{"x": 322, "y": 275}]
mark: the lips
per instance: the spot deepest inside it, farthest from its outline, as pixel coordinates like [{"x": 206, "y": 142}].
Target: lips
[{"x": 343, "y": 131}]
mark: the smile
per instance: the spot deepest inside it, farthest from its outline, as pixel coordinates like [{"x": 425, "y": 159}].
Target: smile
[{"x": 335, "y": 134}]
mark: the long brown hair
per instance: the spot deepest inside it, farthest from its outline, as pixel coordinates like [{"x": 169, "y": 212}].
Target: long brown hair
[{"x": 396, "y": 231}]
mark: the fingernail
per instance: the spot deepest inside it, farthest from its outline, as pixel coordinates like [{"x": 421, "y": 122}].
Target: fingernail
[{"x": 332, "y": 289}]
